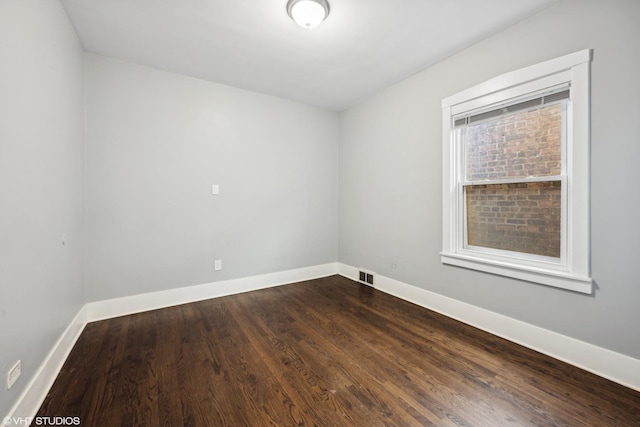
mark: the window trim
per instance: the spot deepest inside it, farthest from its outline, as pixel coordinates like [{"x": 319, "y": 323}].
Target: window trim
[{"x": 573, "y": 271}]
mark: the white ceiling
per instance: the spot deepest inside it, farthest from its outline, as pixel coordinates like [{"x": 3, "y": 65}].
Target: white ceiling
[{"x": 361, "y": 48}]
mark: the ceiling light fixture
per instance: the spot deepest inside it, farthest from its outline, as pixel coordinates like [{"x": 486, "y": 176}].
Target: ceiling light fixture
[{"x": 308, "y": 13}]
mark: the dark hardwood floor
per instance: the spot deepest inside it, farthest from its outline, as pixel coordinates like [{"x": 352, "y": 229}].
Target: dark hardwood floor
[{"x": 328, "y": 352}]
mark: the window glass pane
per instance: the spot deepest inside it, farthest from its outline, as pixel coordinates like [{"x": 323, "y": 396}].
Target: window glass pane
[
  {"x": 516, "y": 145},
  {"x": 522, "y": 217}
]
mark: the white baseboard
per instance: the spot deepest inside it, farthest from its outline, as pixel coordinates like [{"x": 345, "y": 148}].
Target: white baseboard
[
  {"x": 614, "y": 366},
  {"x": 34, "y": 394},
  {"x": 116, "y": 307},
  {"x": 31, "y": 399}
]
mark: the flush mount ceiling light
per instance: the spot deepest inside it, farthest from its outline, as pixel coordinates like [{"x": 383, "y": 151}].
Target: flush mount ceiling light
[{"x": 308, "y": 13}]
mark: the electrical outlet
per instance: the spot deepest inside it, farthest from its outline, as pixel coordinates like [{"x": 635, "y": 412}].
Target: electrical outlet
[
  {"x": 217, "y": 265},
  {"x": 14, "y": 374}
]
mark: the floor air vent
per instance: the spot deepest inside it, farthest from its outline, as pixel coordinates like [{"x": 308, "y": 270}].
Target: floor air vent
[{"x": 366, "y": 277}]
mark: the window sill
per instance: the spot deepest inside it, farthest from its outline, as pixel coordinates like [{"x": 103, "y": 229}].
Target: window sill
[{"x": 531, "y": 274}]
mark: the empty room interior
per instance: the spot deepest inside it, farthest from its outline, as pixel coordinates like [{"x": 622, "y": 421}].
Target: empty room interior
[{"x": 389, "y": 213}]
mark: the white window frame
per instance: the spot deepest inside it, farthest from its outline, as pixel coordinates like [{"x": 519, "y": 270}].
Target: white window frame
[{"x": 572, "y": 270}]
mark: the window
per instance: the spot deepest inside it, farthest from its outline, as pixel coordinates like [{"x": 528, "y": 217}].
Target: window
[{"x": 516, "y": 175}]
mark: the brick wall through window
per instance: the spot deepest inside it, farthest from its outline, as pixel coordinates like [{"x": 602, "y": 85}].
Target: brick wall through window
[{"x": 521, "y": 217}]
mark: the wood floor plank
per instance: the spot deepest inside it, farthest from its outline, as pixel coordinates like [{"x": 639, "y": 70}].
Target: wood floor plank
[
  {"x": 327, "y": 352},
  {"x": 313, "y": 389}
]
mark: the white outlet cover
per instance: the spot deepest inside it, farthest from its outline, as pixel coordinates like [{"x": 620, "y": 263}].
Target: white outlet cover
[
  {"x": 215, "y": 188},
  {"x": 14, "y": 374},
  {"x": 217, "y": 265}
]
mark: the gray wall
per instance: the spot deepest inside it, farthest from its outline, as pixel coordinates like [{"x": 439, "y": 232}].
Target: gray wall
[
  {"x": 390, "y": 175},
  {"x": 157, "y": 141},
  {"x": 41, "y": 193}
]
